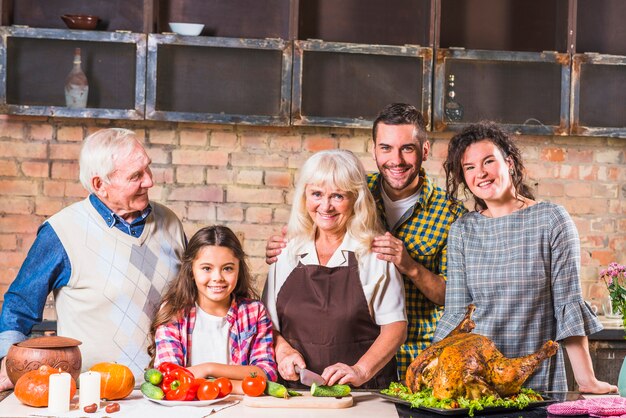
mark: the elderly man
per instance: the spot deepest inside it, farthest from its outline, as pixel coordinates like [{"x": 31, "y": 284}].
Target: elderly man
[
  {"x": 106, "y": 258},
  {"x": 417, "y": 214}
]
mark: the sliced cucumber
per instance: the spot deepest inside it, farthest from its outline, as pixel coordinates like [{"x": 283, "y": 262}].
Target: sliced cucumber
[
  {"x": 334, "y": 391},
  {"x": 276, "y": 390}
]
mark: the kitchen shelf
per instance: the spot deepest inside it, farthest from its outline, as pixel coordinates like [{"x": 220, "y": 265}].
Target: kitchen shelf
[
  {"x": 218, "y": 80},
  {"x": 373, "y": 22},
  {"x": 600, "y": 27},
  {"x": 504, "y": 25},
  {"x": 598, "y": 95},
  {"x": 232, "y": 18},
  {"x": 35, "y": 63},
  {"x": 526, "y": 92},
  {"x": 340, "y": 84},
  {"x": 128, "y": 15}
]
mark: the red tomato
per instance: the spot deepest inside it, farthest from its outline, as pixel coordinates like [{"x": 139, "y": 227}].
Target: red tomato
[
  {"x": 208, "y": 390},
  {"x": 253, "y": 385},
  {"x": 225, "y": 385}
]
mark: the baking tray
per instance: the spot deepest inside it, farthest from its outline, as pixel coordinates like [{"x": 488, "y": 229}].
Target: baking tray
[{"x": 464, "y": 411}]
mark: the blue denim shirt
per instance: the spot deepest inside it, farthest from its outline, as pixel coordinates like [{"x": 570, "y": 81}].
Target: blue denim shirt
[{"x": 46, "y": 268}]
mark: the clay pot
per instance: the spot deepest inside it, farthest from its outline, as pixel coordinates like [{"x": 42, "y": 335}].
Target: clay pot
[
  {"x": 85, "y": 22},
  {"x": 58, "y": 352}
]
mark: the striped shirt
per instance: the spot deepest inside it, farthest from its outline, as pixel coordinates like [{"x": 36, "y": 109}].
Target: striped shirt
[
  {"x": 424, "y": 231},
  {"x": 250, "y": 340},
  {"x": 522, "y": 271}
]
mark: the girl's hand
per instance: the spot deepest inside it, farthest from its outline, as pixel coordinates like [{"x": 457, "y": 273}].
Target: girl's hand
[
  {"x": 343, "y": 374},
  {"x": 286, "y": 365}
]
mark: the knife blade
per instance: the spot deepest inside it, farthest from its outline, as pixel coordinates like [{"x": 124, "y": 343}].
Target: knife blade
[{"x": 307, "y": 377}]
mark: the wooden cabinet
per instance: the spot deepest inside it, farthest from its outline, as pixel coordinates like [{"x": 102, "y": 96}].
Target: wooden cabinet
[
  {"x": 535, "y": 66},
  {"x": 35, "y": 63},
  {"x": 219, "y": 80}
]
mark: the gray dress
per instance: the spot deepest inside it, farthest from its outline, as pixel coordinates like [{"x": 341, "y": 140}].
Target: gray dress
[{"x": 522, "y": 271}]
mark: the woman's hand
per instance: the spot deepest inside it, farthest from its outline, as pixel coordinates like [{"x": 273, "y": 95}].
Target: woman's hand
[
  {"x": 287, "y": 365},
  {"x": 343, "y": 374},
  {"x": 597, "y": 386},
  {"x": 5, "y": 383}
]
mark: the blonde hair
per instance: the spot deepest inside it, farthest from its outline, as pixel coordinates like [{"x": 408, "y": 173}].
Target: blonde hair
[{"x": 342, "y": 170}]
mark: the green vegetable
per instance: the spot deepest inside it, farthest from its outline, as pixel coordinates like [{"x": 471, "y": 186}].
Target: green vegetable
[
  {"x": 293, "y": 393},
  {"x": 153, "y": 376},
  {"x": 152, "y": 391},
  {"x": 426, "y": 399},
  {"x": 336, "y": 391},
  {"x": 276, "y": 390}
]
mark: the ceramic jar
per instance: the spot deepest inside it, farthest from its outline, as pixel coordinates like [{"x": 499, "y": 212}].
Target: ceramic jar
[{"x": 58, "y": 352}]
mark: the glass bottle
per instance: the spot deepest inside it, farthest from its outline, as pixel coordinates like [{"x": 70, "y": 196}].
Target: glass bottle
[
  {"x": 76, "y": 86},
  {"x": 452, "y": 109}
]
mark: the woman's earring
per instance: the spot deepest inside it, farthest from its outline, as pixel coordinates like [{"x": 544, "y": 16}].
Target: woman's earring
[{"x": 511, "y": 171}]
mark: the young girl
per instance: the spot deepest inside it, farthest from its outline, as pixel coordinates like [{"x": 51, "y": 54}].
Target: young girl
[{"x": 210, "y": 304}]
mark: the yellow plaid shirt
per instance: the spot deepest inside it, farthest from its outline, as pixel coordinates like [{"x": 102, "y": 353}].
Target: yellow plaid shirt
[{"x": 424, "y": 230}]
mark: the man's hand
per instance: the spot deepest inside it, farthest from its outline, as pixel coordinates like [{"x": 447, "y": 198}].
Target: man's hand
[
  {"x": 390, "y": 248},
  {"x": 5, "y": 383},
  {"x": 343, "y": 374},
  {"x": 275, "y": 245}
]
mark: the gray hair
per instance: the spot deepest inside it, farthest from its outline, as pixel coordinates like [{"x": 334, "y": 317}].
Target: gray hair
[
  {"x": 343, "y": 170},
  {"x": 99, "y": 152}
]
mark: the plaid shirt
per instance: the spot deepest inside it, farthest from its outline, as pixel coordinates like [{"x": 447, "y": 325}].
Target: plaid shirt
[
  {"x": 424, "y": 230},
  {"x": 250, "y": 339}
]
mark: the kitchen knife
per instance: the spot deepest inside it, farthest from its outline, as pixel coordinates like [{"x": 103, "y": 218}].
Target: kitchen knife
[{"x": 307, "y": 377}]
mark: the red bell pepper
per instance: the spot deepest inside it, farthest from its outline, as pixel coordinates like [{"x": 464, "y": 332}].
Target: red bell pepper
[{"x": 178, "y": 383}]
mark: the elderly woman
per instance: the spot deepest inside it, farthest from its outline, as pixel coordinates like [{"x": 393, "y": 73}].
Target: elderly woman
[{"x": 336, "y": 308}]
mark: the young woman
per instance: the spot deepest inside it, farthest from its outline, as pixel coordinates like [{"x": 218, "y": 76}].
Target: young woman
[
  {"x": 210, "y": 303},
  {"x": 517, "y": 260}
]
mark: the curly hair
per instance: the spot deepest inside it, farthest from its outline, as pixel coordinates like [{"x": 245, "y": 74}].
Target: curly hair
[
  {"x": 477, "y": 132},
  {"x": 182, "y": 292}
]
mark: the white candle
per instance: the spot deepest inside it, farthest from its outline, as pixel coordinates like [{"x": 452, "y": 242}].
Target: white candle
[
  {"x": 59, "y": 393},
  {"x": 89, "y": 389}
]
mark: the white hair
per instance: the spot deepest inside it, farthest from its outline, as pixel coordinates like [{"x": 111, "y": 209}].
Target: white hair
[
  {"x": 99, "y": 152},
  {"x": 342, "y": 170}
]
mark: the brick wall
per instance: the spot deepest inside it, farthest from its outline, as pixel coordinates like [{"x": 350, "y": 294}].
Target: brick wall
[{"x": 243, "y": 176}]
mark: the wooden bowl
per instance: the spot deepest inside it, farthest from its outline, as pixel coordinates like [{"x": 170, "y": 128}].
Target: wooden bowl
[
  {"x": 58, "y": 352},
  {"x": 84, "y": 22}
]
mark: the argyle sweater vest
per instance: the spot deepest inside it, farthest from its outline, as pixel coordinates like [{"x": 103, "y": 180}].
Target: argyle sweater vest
[{"x": 116, "y": 282}]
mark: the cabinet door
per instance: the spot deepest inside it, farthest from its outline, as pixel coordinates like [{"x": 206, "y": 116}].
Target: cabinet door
[
  {"x": 526, "y": 92},
  {"x": 218, "y": 80},
  {"x": 35, "y": 63},
  {"x": 339, "y": 84},
  {"x": 599, "y": 95}
]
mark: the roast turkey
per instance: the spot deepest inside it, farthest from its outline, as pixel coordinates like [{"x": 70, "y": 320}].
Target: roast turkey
[{"x": 469, "y": 365}]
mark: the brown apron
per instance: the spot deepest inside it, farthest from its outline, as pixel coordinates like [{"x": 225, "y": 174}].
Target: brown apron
[{"x": 322, "y": 313}]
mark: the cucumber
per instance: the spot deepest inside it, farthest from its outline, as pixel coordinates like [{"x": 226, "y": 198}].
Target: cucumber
[
  {"x": 153, "y": 376},
  {"x": 152, "y": 391},
  {"x": 334, "y": 391},
  {"x": 276, "y": 390},
  {"x": 293, "y": 393}
]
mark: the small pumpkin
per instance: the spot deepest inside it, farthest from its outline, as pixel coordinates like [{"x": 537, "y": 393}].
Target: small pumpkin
[
  {"x": 116, "y": 380},
  {"x": 32, "y": 388}
]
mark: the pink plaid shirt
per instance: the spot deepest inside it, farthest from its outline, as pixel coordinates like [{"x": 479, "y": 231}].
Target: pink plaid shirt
[{"x": 250, "y": 339}]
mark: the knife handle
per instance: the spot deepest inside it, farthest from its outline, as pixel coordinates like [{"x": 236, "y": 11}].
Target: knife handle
[{"x": 296, "y": 368}]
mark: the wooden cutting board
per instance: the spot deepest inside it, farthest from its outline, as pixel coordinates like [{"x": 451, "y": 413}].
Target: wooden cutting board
[{"x": 304, "y": 401}]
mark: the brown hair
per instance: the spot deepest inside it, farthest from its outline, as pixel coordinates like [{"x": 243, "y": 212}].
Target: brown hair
[
  {"x": 182, "y": 292},
  {"x": 402, "y": 114},
  {"x": 476, "y": 133}
]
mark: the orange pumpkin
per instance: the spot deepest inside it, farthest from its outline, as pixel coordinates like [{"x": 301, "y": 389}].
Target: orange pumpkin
[
  {"x": 116, "y": 381},
  {"x": 32, "y": 388}
]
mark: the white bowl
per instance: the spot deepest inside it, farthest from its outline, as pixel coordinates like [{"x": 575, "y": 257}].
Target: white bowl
[{"x": 189, "y": 29}]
